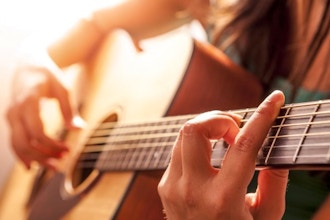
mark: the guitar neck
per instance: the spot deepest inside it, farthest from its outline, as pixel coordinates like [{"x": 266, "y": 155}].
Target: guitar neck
[{"x": 299, "y": 139}]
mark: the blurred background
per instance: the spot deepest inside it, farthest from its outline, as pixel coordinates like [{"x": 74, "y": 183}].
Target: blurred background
[{"x": 20, "y": 19}]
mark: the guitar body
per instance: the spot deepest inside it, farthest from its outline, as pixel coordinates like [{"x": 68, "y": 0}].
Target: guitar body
[{"x": 174, "y": 76}]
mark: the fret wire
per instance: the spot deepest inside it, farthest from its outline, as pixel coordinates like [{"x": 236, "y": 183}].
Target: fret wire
[
  {"x": 120, "y": 159},
  {"x": 140, "y": 157},
  {"x": 311, "y": 118},
  {"x": 328, "y": 155},
  {"x": 143, "y": 149},
  {"x": 168, "y": 158},
  {"x": 93, "y": 144},
  {"x": 123, "y": 130},
  {"x": 128, "y": 157},
  {"x": 304, "y": 156},
  {"x": 276, "y": 136},
  {"x": 132, "y": 128},
  {"x": 303, "y": 124},
  {"x": 105, "y": 161},
  {"x": 303, "y": 135},
  {"x": 306, "y": 114},
  {"x": 244, "y": 119},
  {"x": 149, "y": 156},
  {"x": 165, "y": 163},
  {"x": 111, "y": 125},
  {"x": 292, "y": 146},
  {"x": 161, "y": 152},
  {"x": 310, "y": 145},
  {"x": 212, "y": 159},
  {"x": 117, "y": 162},
  {"x": 307, "y": 104},
  {"x": 115, "y": 159},
  {"x": 132, "y": 160},
  {"x": 245, "y": 113},
  {"x": 103, "y": 140},
  {"x": 298, "y": 115},
  {"x": 137, "y": 161},
  {"x": 153, "y": 150},
  {"x": 165, "y": 143},
  {"x": 304, "y": 145},
  {"x": 115, "y": 146},
  {"x": 130, "y": 146}
]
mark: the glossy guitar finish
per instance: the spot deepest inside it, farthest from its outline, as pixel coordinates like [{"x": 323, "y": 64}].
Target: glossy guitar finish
[{"x": 175, "y": 77}]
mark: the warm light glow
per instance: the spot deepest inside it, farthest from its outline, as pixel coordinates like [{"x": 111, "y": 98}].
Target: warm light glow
[{"x": 45, "y": 14}]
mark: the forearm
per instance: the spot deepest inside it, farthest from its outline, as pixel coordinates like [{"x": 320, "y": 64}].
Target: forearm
[{"x": 140, "y": 18}]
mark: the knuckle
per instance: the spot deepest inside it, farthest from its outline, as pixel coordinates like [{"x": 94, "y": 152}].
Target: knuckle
[
  {"x": 20, "y": 151},
  {"x": 266, "y": 109},
  {"x": 191, "y": 127},
  {"x": 245, "y": 142},
  {"x": 166, "y": 191},
  {"x": 189, "y": 194},
  {"x": 161, "y": 187},
  {"x": 223, "y": 206}
]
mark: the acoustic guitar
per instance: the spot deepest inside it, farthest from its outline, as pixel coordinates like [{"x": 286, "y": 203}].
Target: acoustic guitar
[{"x": 135, "y": 106}]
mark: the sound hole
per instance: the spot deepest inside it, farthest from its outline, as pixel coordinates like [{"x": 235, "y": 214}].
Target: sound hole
[{"x": 86, "y": 162}]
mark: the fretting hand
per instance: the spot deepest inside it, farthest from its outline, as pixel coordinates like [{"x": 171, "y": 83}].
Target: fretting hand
[{"x": 192, "y": 189}]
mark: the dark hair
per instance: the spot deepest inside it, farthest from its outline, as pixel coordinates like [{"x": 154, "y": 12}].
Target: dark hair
[{"x": 264, "y": 35}]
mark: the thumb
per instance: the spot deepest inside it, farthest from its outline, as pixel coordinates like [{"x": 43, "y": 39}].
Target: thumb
[
  {"x": 69, "y": 110},
  {"x": 70, "y": 113},
  {"x": 77, "y": 122},
  {"x": 272, "y": 185}
]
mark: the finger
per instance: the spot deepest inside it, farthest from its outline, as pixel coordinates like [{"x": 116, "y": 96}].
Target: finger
[
  {"x": 270, "y": 197},
  {"x": 68, "y": 110},
  {"x": 196, "y": 145},
  {"x": 33, "y": 125},
  {"x": 21, "y": 143},
  {"x": 239, "y": 164},
  {"x": 174, "y": 170}
]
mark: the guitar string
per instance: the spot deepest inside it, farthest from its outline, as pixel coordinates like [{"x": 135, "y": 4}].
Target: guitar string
[
  {"x": 127, "y": 131},
  {"x": 114, "y": 158},
  {"x": 95, "y": 155},
  {"x": 123, "y": 147},
  {"x": 241, "y": 111},
  {"x": 117, "y": 145},
  {"x": 251, "y": 110},
  {"x": 91, "y": 145},
  {"x": 125, "y": 128},
  {"x": 277, "y": 133}
]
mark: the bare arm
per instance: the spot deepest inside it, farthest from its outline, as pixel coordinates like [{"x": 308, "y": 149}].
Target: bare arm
[
  {"x": 140, "y": 18},
  {"x": 42, "y": 77}
]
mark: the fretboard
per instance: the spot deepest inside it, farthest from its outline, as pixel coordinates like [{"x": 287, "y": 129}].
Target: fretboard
[{"x": 299, "y": 138}]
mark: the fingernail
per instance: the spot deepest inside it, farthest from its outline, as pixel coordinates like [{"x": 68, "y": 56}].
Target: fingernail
[
  {"x": 277, "y": 97},
  {"x": 51, "y": 164},
  {"x": 78, "y": 122}
]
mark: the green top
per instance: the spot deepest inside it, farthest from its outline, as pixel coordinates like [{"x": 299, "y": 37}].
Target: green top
[
  {"x": 306, "y": 190},
  {"x": 302, "y": 95}
]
